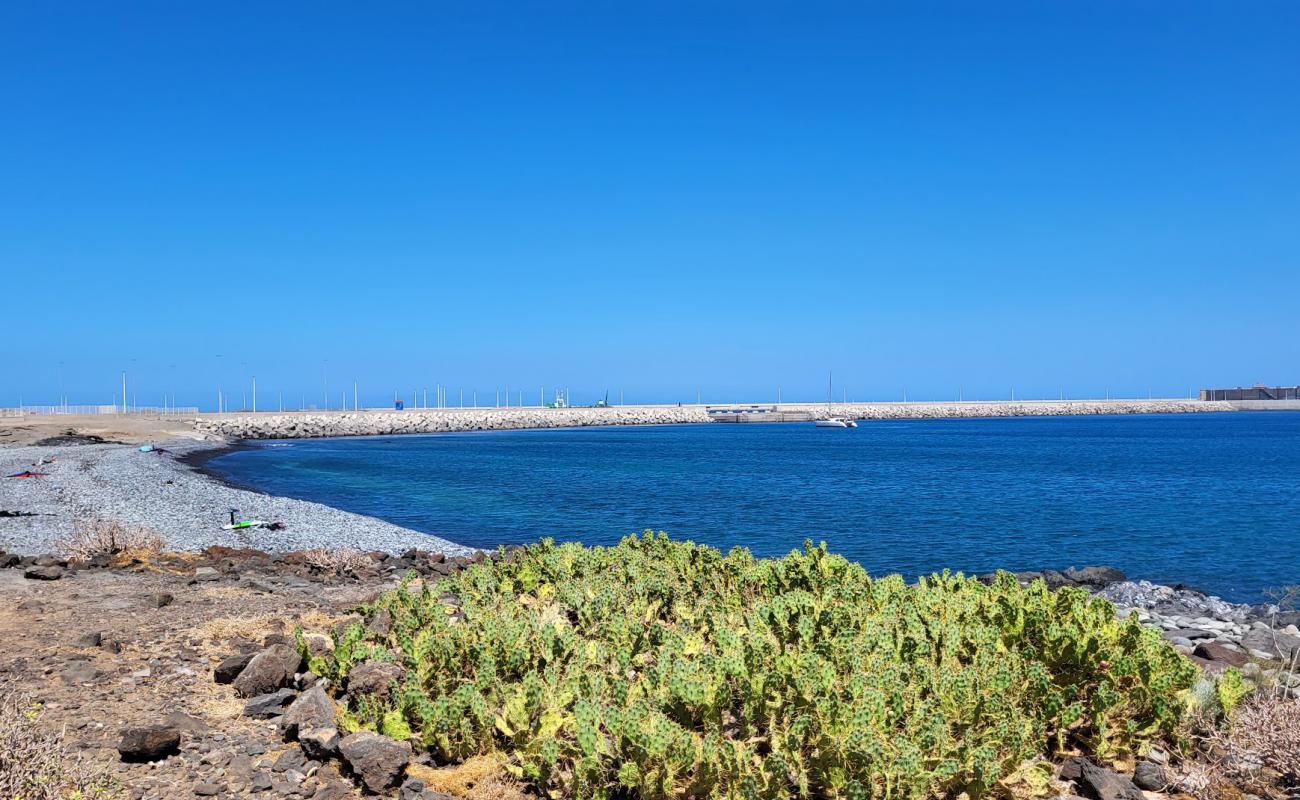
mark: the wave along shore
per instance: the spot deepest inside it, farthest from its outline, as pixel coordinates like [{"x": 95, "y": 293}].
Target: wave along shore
[{"x": 306, "y": 425}]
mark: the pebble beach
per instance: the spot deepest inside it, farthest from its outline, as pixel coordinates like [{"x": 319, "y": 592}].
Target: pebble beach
[{"x": 187, "y": 507}]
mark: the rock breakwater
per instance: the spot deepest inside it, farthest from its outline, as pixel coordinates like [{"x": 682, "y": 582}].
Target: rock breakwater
[
  {"x": 386, "y": 423},
  {"x": 305, "y": 425}
]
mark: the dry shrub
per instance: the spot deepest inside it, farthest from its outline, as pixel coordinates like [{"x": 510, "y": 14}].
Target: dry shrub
[
  {"x": 35, "y": 764},
  {"x": 344, "y": 562},
  {"x": 109, "y": 537},
  {"x": 478, "y": 778},
  {"x": 1264, "y": 732}
]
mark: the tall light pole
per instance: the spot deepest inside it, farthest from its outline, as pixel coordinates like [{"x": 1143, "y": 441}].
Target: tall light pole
[
  {"x": 354, "y": 395},
  {"x": 325, "y": 370},
  {"x": 254, "y": 394}
]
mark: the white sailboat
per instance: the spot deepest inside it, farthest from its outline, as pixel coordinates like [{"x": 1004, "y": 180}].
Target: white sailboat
[{"x": 833, "y": 422}]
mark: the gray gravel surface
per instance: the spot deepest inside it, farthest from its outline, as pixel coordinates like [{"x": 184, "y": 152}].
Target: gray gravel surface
[{"x": 185, "y": 506}]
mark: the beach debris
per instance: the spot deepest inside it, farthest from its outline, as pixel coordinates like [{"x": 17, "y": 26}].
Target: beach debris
[{"x": 29, "y": 474}]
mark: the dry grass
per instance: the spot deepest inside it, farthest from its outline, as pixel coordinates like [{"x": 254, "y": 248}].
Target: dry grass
[
  {"x": 344, "y": 562},
  {"x": 36, "y": 765},
  {"x": 253, "y": 627},
  {"x": 479, "y": 778},
  {"x": 95, "y": 537}
]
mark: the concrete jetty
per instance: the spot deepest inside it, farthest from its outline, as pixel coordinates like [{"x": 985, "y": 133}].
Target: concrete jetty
[{"x": 302, "y": 425}]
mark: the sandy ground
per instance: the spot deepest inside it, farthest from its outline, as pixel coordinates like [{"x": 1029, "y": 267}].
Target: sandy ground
[{"x": 33, "y": 428}]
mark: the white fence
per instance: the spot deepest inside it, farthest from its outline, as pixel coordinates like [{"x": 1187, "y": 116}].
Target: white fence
[{"x": 153, "y": 411}]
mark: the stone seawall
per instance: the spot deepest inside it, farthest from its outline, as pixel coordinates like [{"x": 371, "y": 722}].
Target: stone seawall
[
  {"x": 304, "y": 425},
  {"x": 1026, "y": 408},
  {"x": 384, "y": 423}
]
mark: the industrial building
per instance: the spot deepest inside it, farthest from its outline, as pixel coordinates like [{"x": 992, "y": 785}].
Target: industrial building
[{"x": 1256, "y": 392}]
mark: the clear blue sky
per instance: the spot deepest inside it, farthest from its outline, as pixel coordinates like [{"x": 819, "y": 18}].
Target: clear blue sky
[{"x": 1052, "y": 196}]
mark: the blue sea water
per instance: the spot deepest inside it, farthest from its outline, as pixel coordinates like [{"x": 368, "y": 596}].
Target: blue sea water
[{"x": 1211, "y": 500}]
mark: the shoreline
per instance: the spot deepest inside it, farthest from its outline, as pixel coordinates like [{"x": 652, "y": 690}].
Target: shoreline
[{"x": 171, "y": 491}]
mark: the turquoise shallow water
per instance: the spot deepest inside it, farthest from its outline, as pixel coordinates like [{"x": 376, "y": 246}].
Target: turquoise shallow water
[{"x": 1211, "y": 500}]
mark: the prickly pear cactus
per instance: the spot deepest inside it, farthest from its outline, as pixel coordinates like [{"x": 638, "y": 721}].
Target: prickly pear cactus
[{"x": 659, "y": 669}]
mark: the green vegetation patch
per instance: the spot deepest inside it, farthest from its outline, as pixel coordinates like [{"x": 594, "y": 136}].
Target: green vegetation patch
[{"x": 660, "y": 669}]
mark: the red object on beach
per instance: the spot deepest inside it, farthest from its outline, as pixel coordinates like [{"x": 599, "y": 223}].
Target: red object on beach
[{"x": 29, "y": 474}]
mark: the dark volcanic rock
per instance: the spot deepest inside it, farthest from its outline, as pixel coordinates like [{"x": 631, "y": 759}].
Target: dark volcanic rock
[
  {"x": 1149, "y": 776},
  {"x": 268, "y": 670},
  {"x": 1103, "y": 784},
  {"x": 149, "y": 743},
  {"x": 320, "y": 744},
  {"x": 229, "y": 669},
  {"x": 312, "y": 709},
  {"x": 373, "y": 678},
  {"x": 292, "y": 758},
  {"x": 269, "y": 705},
  {"x": 46, "y": 573},
  {"x": 1095, "y": 576},
  {"x": 377, "y": 760},
  {"x": 1213, "y": 651},
  {"x": 50, "y": 561}
]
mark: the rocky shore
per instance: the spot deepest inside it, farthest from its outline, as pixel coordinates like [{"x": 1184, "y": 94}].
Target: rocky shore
[
  {"x": 160, "y": 491},
  {"x": 1260, "y": 640},
  {"x": 300, "y": 425}
]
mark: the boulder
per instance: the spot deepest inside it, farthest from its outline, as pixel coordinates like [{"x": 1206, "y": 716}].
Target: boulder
[
  {"x": 272, "y": 704},
  {"x": 91, "y": 639},
  {"x": 318, "y": 644},
  {"x": 373, "y": 678},
  {"x": 312, "y": 709},
  {"x": 269, "y": 670},
  {"x": 47, "y": 573},
  {"x": 1271, "y": 644},
  {"x": 8, "y": 560},
  {"x": 50, "y": 561},
  {"x": 229, "y": 669},
  {"x": 1213, "y": 651},
  {"x": 149, "y": 743},
  {"x": 377, "y": 760},
  {"x": 204, "y": 574},
  {"x": 319, "y": 744},
  {"x": 291, "y": 759},
  {"x": 1150, "y": 776},
  {"x": 1104, "y": 784},
  {"x": 1098, "y": 577}
]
